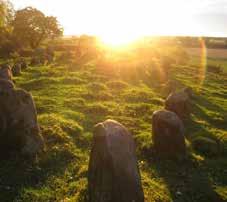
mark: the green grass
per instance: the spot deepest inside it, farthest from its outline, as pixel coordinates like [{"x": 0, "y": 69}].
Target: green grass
[
  {"x": 211, "y": 61},
  {"x": 70, "y": 103}
]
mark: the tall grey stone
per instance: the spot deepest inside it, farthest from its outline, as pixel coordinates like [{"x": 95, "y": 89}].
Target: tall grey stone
[
  {"x": 20, "y": 130},
  {"x": 113, "y": 171}
]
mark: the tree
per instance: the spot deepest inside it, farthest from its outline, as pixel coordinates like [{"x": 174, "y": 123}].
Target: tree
[
  {"x": 31, "y": 27},
  {"x": 6, "y": 13},
  {"x": 6, "y": 17}
]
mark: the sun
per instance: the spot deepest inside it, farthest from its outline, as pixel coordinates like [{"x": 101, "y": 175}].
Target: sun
[
  {"x": 118, "y": 23},
  {"x": 117, "y": 40},
  {"x": 127, "y": 21}
]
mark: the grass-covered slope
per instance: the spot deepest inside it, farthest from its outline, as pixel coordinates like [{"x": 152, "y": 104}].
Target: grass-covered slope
[{"x": 69, "y": 103}]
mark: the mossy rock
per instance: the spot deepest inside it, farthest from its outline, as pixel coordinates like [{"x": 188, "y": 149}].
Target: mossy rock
[{"x": 206, "y": 146}]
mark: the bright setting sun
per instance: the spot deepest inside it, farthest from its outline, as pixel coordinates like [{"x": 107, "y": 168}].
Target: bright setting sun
[{"x": 120, "y": 22}]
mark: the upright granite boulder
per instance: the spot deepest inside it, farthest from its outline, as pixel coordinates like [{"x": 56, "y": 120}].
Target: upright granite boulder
[
  {"x": 35, "y": 61},
  {"x": 24, "y": 64},
  {"x": 20, "y": 130},
  {"x": 16, "y": 70},
  {"x": 180, "y": 103},
  {"x": 168, "y": 134},
  {"x": 6, "y": 72},
  {"x": 113, "y": 174}
]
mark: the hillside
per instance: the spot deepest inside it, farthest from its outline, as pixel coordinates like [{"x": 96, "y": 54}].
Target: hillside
[{"x": 71, "y": 99}]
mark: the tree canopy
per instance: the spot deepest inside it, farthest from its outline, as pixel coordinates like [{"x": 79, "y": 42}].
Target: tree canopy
[
  {"x": 31, "y": 27},
  {"x": 6, "y": 13}
]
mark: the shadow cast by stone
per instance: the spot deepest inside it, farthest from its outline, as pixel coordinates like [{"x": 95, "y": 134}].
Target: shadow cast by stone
[{"x": 187, "y": 180}]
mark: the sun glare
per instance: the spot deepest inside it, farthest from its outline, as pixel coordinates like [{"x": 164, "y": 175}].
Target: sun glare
[
  {"x": 126, "y": 21},
  {"x": 117, "y": 40}
]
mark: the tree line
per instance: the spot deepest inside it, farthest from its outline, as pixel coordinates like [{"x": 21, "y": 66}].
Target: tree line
[{"x": 26, "y": 28}]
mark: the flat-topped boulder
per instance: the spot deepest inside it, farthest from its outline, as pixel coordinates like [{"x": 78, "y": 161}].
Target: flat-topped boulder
[
  {"x": 180, "y": 103},
  {"x": 21, "y": 132},
  {"x": 113, "y": 173},
  {"x": 168, "y": 134}
]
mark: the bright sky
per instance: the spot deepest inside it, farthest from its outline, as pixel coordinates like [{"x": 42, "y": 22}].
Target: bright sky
[{"x": 133, "y": 18}]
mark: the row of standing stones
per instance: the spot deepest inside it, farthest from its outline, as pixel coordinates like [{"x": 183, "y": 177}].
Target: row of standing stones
[
  {"x": 113, "y": 173},
  {"x": 19, "y": 129}
]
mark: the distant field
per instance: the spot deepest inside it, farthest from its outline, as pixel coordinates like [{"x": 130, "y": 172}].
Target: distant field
[
  {"x": 211, "y": 53},
  {"x": 214, "y": 57}
]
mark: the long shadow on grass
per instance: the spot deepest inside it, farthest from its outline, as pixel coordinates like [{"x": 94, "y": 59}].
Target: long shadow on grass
[
  {"x": 187, "y": 181},
  {"x": 199, "y": 112},
  {"x": 18, "y": 173}
]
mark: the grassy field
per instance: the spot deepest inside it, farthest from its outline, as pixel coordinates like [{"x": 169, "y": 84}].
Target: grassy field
[
  {"x": 211, "y": 53},
  {"x": 71, "y": 100},
  {"x": 213, "y": 57}
]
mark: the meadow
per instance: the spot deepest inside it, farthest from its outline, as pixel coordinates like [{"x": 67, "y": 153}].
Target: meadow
[
  {"x": 72, "y": 95},
  {"x": 214, "y": 56}
]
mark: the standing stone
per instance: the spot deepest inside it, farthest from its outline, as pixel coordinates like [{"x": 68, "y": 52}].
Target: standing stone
[
  {"x": 24, "y": 64},
  {"x": 6, "y": 72},
  {"x": 35, "y": 61},
  {"x": 16, "y": 70},
  {"x": 180, "y": 103},
  {"x": 113, "y": 171},
  {"x": 168, "y": 134},
  {"x": 50, "y": 55},
  {"x": 18, "y": 115}
]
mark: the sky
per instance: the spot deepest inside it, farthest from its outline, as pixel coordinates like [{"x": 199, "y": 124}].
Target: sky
[{"x": 134, "y": 18}]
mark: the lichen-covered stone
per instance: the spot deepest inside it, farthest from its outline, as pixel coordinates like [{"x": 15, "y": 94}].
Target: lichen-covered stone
[{"x": 113, "y": 170}]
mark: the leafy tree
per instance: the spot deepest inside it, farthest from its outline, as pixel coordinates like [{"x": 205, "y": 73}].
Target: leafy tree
[
  {"x": 6, "y": 13},
  {"x": 31, "y": 27},
  {"x": 6, "y": 17}
]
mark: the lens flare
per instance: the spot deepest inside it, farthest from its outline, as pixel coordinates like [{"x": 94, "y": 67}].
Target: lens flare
[{"x": 203, "y": 62}]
